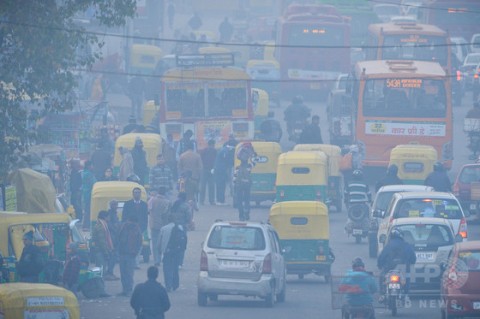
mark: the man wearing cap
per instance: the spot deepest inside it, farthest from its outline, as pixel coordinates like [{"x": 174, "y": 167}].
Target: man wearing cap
[{"x": 31, "y": 262}]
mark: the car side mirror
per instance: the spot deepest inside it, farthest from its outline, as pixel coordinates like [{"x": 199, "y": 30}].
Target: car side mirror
[
  {"x": 458, "y": 238},
  {"x": 382, "y": 239}
]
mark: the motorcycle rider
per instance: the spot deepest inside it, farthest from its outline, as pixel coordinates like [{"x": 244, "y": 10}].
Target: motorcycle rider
[
  {"x": 358, "y": 286},
  {"x": 296, "y": 112},
  {"x": 396, "y": 252},
  {"x": 390, "y": 178},
  {"x": 357, "y": 184},
  {"x": 438, "y": 179}
]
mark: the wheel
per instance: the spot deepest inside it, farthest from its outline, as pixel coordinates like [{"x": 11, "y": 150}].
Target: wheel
[
  {"x": 202, "y": 299},
  {"x": 392, "y": 304},
  {"x": 270, "y": 299},
  {"x": 358, "y": 212},
  {"x": 301, "y": 276},
  {"x": 372, "y": 246},
  {"x": 358, "y": 239},
  {"x": 283, "y": 294},
  {"x": 93, "y": 288},
  {"x": 213, "y": 297}
]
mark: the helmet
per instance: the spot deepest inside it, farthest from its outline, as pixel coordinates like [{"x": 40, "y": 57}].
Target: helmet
[
  {"x": 358, "y": 263},
  {"x": 357, "y": 174},
  {"x": 396, "y": 234},
  {"x": 438, "y": 166},
  {"x": 297, "y": 99},
  {"x": 392, "y": 169}
]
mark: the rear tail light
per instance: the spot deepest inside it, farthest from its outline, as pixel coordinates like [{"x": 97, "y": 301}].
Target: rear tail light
[
  {"x": 463, "y": 228},
  {"x": 456, "y": 189},
  {"x": 459, "y": 75},
  {"x": 267, "y": 264},
  {"x": 394, "y": 278},
  {"x": 203, "y": 261}
]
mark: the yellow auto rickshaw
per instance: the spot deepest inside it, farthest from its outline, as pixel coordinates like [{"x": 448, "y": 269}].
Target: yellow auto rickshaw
[
  {"x": 104, "y": 192},
  {"x": 213, "y": 50},
  {"x": 144, "y": 58},
  {"x": 302, "y": 176},
  {"x": 30, "y": 301},
  {"x": 53, "y": 234},
  {"x": 303, "y": 228},
  {"x": 260, "y": 107},
  {"x": 149, "y": 112},
  {"x": 152, "y": 144},
  {"x": 264, "y": 171},
  {"x": 334, "y": 154},
  {"x": 414, "y": 161}
]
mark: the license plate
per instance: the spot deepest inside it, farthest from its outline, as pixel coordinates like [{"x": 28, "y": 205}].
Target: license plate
[
  {"x": 473, "y": 206},
  {"x": 422, "y": 257},
  {"x": 394, "y": 286},
  {"x": 357, "y": 231},
  {"x": 235, "y": 263},
  {"x": 476, "y": 305}
]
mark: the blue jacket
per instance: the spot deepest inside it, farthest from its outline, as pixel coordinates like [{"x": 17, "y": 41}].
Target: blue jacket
[
  {"x": 358, "y": 287},
  {"x": 397, "y": 251}
]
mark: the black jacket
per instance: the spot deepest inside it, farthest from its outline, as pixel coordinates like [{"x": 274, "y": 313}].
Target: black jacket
[
  {"x": 439, "y": 181},
  {"x": 397, "y": 251},
  {"x": 311, "y": 135},
  {"x": 150, "y": 299},
  {"x": 140, "y": 210},
  {"x": 31, "y": 262},
  {"x": 388, "y": 179}
]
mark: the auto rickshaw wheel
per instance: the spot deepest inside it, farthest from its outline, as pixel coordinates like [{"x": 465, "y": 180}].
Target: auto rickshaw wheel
[{"x": 93, "y": 288}]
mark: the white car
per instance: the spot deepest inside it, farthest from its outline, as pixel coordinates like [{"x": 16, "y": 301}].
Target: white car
[
  {"x": 242, "y": 258},
  {"x": 422, "y": 204},
  {"x": 468, "y": 68},
  {"x": 380, "y": 204},
  {"x": 475, "y": 43},
  {"x": 459, "y": 48}
]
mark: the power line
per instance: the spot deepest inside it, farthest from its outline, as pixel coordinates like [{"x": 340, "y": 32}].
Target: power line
[
  {"x": 425, "y": 7},
  {"x": 217, "y": 43}
]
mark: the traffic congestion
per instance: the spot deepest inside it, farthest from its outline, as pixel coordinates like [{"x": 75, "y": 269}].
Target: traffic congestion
[{"x": 211, "y": 159}]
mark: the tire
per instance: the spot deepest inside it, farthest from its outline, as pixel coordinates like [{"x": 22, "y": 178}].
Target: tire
[
  {"x": 392, "y": 304},
  {"x": 93, "y": 288},
  {"x": 358, "y": 239},
  {"x": 270, "y": 299},
  {"x": 372, "y": 246},
  {"x": 283, "y": 294},
  {"x": 202, "y": 299},
  {"x": 358, "y": 212}
]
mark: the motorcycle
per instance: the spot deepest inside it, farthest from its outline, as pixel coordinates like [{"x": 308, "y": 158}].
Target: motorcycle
[
  {"x": 357, "y": 312},
  {"x": 394, "y": 290},
  {"x": 296, "y": 130},
  {"x": 358, "y": 224}
]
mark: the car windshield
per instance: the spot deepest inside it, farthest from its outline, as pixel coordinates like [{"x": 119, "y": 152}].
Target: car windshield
[
  {"x": 470, "y": 174},
  {"x": 427, "y": 207},
  {"x": 239, "y": 238},
  {"x": 472, "y": 59},
  {"x": 471, "y": 259},
  {"x": 382, "y": 200},
  {"x": 426, "y": 236}
]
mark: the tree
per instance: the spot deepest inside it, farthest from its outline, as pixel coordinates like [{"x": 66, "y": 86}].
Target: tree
[{"x": 40, "y": 43}]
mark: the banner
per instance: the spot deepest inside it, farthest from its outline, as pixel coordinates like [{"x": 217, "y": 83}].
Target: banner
[
  {"x": 405, "y": 128},
  {"x": 212, "y": 130}
]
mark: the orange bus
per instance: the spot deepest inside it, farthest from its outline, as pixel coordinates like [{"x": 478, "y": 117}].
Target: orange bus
[
  {"x": 400, "y": 102},
  {"x": 209, "y": 96}
]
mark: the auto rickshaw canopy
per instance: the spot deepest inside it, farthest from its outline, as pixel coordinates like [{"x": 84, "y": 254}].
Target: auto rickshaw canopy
[
  {"x": 300, "y": 220},
  {"x": 261, "y": 102},
  {"x": 26, "y": 300},
  {"x": 333, "y": 152},
  {"x": 414, "y": 161},
  {"x": 266, "y": 159},
  {"x": 302, "y": 168},
  {"x": 152, "y": 144},
  {"x": 104, "y": 192}
]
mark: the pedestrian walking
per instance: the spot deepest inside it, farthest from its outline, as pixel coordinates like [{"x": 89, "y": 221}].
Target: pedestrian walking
[
  {"x": 208, "y": 156},
  {"x": 159, "y": 217},
  {"x": 130, "y": 243},
  {"x": 76, "y": 188},
  {"x": 226, "y": 30},
  {"x": 88, "y": 180},
  {"x": 184, "y": 141},
  {"x": 160, "y": 175},
  {"x": 150, "y": 299},
  {"x": 102, "y": 241},
  {"x": 114, "y": 227},
  {"x": 190, "y": 167},
  {"x": 172, "y": 244},
  {"x": 221, "y": 170},
  {"x": 31, "y": 262},
  {"x": 126, "y": 165},
  {"x": 242, "y": 185},
  {"x": 136, "y": 207},
  {"x": 140, "y": 166},
  {"x": 182, "y": 213},
  {"x": 101, "y": 159}
]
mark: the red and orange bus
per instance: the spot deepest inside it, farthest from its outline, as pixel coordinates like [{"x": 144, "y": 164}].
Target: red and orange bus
[
  {"x": 400, "y": 102},
  {"x": 209, "y": 96},
  {"x": 312, "y": 47}
]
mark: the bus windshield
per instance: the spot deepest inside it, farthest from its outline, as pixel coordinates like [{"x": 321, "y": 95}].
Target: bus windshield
[
  {"x": 416, "y": 47},
  {"x": 403, "y": 98},
  {"x": 315, "y": 35},
  {"x": 215, "y": 99}
]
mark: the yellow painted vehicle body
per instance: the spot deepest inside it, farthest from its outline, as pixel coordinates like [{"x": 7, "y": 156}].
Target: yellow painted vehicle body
[
  {"x": 31, "y": 301},
  {"x": 213, "y": 50},
  {"x": 144, "y": 58},
  {"x": 149, "y": 112},
  {"x": 260, "y": 107},
  {"x": 303, "y": 228},
  {"x": 302, "y": 176},
  {"x": 53, "y": 232},
  {"x": 414, "y": 162},
  {"x": 152, "y": 144},
  {"x": 264, "y": 172},
  {"x": 334, "y": 155}
]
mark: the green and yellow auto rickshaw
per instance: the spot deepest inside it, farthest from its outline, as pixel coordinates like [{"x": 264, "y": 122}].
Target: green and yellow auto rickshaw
[
  {"x": 334, "y": 154},
  {"x": 121, "y": 191},
  {"x": 152, "y": 144},
  {"x": 414, "y": 161},
  {"x": 264, "y": 172},
  {"x": 53, "y": 233},
  {"x": 37, "y": 301},
  {"x": 303, "y": 228},
  {"x": 302, "y": 176}
]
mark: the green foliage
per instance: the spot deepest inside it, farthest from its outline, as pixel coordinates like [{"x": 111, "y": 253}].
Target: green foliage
[{"x": 39, "y": 42}]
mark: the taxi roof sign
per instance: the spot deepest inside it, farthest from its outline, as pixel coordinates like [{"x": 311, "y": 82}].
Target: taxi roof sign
[{"x": 211, "y": 59}]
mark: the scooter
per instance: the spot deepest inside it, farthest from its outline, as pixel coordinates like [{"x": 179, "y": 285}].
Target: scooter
[
  {"x": 394, "y": 287},
  {"x": 357, "y": 312}
]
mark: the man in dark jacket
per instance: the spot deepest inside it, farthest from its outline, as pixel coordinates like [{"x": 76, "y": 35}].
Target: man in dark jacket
[
  {"x": 138, "y": 208},
  {"x": 140, "y": 166},
  {"x": 130, "y": 243},
  {"x": 390, "y": 178},
  {"x": 31, "y": 262},
  {"x": 150, "y": 299},
  {"x": 76, "y": 188},
  {"x": 438, "y": 179},
  {"x": 311, "y": 134}
]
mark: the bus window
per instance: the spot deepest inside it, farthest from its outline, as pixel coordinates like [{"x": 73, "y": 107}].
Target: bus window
[
  {"x": 416, "y": 47},
  {"x": 404, "y": 98},
  {"x": 174, "y": 100},
  {"x": 190, "y": 101}
]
